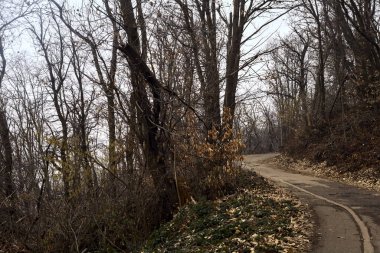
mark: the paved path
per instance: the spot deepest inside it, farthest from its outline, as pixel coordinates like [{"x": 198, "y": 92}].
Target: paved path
[{"x": 348, "y": 218}]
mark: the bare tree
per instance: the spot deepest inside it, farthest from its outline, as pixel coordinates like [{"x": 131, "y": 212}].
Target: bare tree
[
  {"x": 106, "y": 74},
  {"x": 301, "y": 69},
  {"x": 149, "y": 113},
  {"x": 57, "y": 72},
  {"x": 316, "y": 12}
]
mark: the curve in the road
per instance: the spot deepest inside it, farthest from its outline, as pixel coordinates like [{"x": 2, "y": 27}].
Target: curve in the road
[{"x": 367, "y": 245}]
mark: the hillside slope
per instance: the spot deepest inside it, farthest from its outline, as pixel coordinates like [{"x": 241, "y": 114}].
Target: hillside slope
[{"x": 257, "y": 218}]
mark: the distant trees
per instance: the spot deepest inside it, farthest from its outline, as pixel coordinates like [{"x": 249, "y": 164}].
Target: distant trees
[
  {"x": 326, "y": 67},
  {"x": 288, "y": 81},
  {"x": 57, "y": 68}
]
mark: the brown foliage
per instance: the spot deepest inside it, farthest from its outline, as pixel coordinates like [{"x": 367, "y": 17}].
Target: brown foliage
[{"x": 209, "y": 166}]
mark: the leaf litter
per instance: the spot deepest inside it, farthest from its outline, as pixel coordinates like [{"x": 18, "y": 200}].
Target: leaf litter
[
  {"x": 258, "y": 218},
  {"x": 367, "y": 177}
]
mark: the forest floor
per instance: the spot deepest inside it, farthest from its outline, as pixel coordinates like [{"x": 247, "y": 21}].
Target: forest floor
[
  {"x": 366, "y": 177},
  {"x": 259, "y": 217}
]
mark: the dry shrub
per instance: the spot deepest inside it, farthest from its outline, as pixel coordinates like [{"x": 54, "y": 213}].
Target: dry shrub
[
  {"x": 209, "y": 166},
  {"x": 94, "y": 221}
]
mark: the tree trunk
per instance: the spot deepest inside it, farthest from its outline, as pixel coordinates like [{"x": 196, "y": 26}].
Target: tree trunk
[
  {"x": 6, "y": 149},
  {"x": 233, "y": 57},
  {"x": 149, "y": 116}
]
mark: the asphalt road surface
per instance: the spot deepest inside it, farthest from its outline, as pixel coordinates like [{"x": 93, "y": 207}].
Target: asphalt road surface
[{"x": 347, "y": 218}]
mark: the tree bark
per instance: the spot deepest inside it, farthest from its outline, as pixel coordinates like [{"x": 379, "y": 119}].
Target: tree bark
[
  {"x": 233, "y": 56},
  {"x": 6, "y": 161},
  {"x": 149, "y": 120}
]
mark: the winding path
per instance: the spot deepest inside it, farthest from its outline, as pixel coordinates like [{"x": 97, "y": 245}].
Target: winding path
[{"x": 347, "y": 218}]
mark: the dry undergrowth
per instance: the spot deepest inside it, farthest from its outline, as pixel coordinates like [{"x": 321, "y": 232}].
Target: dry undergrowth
[
  {"x": 367, "y": 178},
  {"x": 257, "y": 219}
]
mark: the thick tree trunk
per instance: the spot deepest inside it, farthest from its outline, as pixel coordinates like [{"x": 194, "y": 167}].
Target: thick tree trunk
[
  {"x": 233, "y": 58},
  {"x": 6, "y": 149},
  {"x": 112, "y": 163},
  {"x": 149, "y": 115},
  {"x": 6, "y": 163},
  {"x": 321, "y": 89},
  {"x": 6, "y": 182},
  {"x": 211, "y": 92}
]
